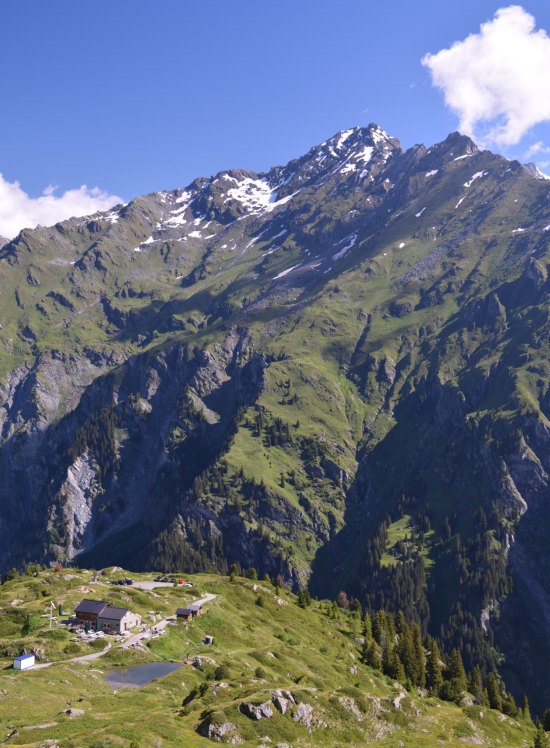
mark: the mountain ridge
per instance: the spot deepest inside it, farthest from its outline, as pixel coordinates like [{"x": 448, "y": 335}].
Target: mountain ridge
[{"x": 338, "y": 364}]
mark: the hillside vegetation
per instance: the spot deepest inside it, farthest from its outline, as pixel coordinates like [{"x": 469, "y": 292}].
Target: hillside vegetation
[
  {"x": 336, "y": 372},
  {"x": 300, "y": 668}
]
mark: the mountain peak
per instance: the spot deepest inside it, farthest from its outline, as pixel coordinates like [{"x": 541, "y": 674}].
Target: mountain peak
[
  {"x": 533, "y": 169},
  {"x": 457, "y": 145},
  {"x": 346, "y": 140}
]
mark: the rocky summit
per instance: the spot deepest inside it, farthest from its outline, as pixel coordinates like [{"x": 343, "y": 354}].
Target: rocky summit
[{"x": 336, "y": 372}]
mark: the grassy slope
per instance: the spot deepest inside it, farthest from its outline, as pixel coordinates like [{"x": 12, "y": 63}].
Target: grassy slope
[
  {"x": 276, "y": 645},
  {"x": 317, "y": 325}
]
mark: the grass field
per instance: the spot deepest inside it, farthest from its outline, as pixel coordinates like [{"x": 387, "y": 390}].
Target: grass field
[{"x": 263, "y": 642}]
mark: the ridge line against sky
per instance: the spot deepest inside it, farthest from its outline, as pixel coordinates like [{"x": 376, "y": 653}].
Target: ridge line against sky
[{"x": 137, "y": 97}]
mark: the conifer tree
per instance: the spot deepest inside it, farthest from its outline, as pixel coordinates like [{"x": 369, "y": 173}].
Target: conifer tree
[
  {"x": 493, "y": 692},
  {"x": 405, "y": 650},
  {"x": 455, "y": 670},
  {"x": 391, "y": 663},
  {"x": 475, "y": 684},
  {"x": 371, "y": 656},
  {"x": 509, "y": 706},
  {"x": 400, "y": 623},
  {"x": 379, "y": 627},
  {"x": 454, "y": 683},
  {"x": 367, "y": 627},
  {"x": 525, "y": 710},
  {"x": 434, "y": 678},
  {"x": 541, "y": 739},
  {"x": 419, "y": 657}
]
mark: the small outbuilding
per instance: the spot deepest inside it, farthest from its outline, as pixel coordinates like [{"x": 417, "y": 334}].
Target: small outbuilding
[
  {"x": 24, "y": 662},
  {"x": 190, "y": 612}
]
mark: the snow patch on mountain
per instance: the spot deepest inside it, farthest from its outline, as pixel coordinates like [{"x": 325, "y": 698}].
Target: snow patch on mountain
[
  {"x": 287, "y": 271},
  {"x": 343, "y": 137},
  {"x": 348, "y": 168},
  {"x": 379, "y": 135},
  {"x": 112, "y": 216},
  {"x": 477, "y": 175},
  {"x": 257, "y": 195},
  {"x": 141, "y": 246},
  {"x": 352, "y": 240},
  {"x": 253, "y": 194}
]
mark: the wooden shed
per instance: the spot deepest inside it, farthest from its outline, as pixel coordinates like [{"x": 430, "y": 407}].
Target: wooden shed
[{"x": 190, "y": 612}]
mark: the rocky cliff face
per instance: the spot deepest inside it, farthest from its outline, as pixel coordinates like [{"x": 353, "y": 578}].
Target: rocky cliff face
[{"x": 336, "y": 371}]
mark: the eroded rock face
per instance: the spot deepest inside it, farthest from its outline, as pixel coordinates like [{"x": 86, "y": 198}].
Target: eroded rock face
[
  {"x": 351, "y": 706},
  {"x": 256, "y": 711},
  {"x": 102, "y": 484},
  {"x": 351, "y": 289},
  {"x": 281, "y": 704},
  {"x": 306, "y": 715},
  {"x": 223, "y": 732}
]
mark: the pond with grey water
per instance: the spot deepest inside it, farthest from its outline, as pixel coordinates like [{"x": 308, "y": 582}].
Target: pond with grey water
[{"x": 140, "y": 675}]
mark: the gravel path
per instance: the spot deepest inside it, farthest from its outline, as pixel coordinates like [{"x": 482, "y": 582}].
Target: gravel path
[
  {"x": 140, "y": 638},
  {"x": 145, "y": 635}
]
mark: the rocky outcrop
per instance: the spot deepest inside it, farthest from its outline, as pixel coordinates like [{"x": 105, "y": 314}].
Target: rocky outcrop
[
  {"x": 220, "y": 732},
  {"x": 309, "y": 717},
  {"x": 350, "y": 705},
  {"x": 256, "y": 711},
  {"x": 275, "y": 369},
  {"x": 282, "y": 700}
]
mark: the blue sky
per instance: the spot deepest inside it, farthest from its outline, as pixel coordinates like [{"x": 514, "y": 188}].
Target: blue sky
[{"x": 134, "y": 96}]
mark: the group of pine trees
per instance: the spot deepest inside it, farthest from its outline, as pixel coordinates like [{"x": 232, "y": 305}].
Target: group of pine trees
[
  {"x": 472, "y": 566},
  {"x": 397, "y": 649}
]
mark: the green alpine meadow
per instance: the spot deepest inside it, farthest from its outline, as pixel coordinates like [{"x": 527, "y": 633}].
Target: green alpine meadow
[
  {"x": 333, "y": 375},
  {"x": 279, "y": 671}
]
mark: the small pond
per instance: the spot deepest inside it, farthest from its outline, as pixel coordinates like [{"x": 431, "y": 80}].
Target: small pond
[{"x": 140, "y": 675}]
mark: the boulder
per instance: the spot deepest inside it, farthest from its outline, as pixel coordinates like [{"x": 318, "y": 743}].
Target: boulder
[
  {"x": 74, "y": 713},
  {"x": 225, "y": 732},
  {"x": 281, "y": 704},
  {"x": 256, "y": 711},
  {"x": 305, "y": 715}
]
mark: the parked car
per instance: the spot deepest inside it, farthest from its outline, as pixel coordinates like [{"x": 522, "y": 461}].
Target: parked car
[
  {"x": 127, "y": 581},
  {"x": 188, "y": 584}
]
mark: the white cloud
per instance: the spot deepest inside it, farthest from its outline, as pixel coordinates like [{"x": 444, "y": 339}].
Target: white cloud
[
  {"x": 18, "y": 210},
  {"x": 497, "y": 80},
  {"x": 536, "y": 148}
]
